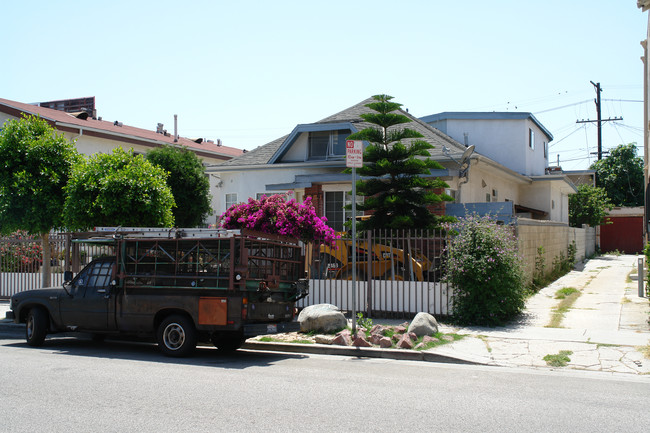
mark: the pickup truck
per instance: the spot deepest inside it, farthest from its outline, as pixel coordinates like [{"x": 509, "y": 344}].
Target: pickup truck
[{"x": 180, "y": 287}]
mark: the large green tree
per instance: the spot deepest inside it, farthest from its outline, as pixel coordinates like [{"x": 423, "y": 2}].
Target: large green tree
[
  {"x": 35, "y": 163},
  {"x": 396, "y": 161},
  {"x": 118, "y": 189},
  {"x": 621, "y": 175},
  {"x": 588, "y": 206},
  {"x": 188, "y": 182}
]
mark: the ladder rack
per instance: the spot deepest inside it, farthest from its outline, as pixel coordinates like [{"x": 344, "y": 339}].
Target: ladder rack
[{"x": 166, "y": 233}]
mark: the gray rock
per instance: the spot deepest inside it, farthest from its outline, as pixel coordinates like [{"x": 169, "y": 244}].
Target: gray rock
[
  {"x": 323, "y": 339},
  {"x": 325, "y": 318},
  {"x": 423, "y": 324}
]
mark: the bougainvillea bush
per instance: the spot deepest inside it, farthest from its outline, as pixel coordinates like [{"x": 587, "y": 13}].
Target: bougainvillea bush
[
  {"x": 276, "y": 215},
  {"x": 19, "y": 256},
  {"x": 486, "y": 272}
]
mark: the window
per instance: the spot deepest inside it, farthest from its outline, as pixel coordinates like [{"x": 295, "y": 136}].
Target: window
[
  {"x": 335, "y": 212},
  {"x": 327, "y": 144},
  {"x": 545, "y": 150},
  {"x": 231, "y": 199},
  {"x": 531, "y": 139}
]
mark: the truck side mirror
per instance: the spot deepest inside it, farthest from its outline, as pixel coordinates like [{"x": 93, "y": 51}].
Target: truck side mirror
[{"x": 67, "y": 276}]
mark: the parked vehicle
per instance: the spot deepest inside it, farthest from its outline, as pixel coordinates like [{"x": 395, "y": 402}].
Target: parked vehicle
[
  {"x": 180, "y": 286},
  {"x": 379, "y": 258}
]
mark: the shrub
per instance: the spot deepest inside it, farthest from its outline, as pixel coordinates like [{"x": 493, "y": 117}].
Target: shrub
[
  {"x": 486, "y": 273},
  {"x": 20, "y": 256}
]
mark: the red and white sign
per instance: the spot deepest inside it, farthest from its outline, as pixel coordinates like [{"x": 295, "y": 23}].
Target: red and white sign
[{"x": 354, "y": 153}]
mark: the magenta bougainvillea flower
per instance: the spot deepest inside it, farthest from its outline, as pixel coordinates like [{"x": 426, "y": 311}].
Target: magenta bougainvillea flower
[{"x": 276, "y": 215}]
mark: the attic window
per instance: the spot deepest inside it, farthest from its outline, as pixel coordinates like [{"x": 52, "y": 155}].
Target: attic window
[
  {"x": 531, "y": 139},
  {"x": 327, "y": 144}
]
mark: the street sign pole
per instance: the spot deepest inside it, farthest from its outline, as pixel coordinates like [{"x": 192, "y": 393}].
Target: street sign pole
[
  {"x": 354, "y": 159},
  {"x": 354, "y": 251}
]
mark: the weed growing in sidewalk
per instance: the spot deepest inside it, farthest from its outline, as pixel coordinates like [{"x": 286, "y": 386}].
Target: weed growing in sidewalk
[
  {"x": 645, "y": 350},
  {"x": 568, "y": 296},
  {"x": 558, "y": 360},
  {"x": 441, "y": 339}
]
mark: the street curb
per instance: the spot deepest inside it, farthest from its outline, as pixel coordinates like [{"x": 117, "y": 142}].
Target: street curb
[
  {"x": 9, "y": 328},
  {"x": 359, "y": 352}
]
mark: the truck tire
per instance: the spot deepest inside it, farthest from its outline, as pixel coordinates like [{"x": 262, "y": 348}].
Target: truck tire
[
  {"x": 227, "y": 342},
  {"x": 176, "y": 336},
  {"x": 36, "y": 326}
]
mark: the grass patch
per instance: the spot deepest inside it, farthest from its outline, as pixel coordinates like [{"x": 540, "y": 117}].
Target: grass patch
[
  {"x": 645, "y": 350},
  {"x": 558, "y": 360},
  {"x": 567, "y": 296},
  {"x": 442, "y": 339},
  {"x": 484, "y": 339},
  {"x": 625, "y": 300},
  {"x": 279, "y": 340},
  {"x": 564, "y": 292}
]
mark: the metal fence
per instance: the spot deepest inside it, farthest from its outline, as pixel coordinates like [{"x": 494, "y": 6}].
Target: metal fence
[
  {"x": 398, "y": 273},
  {"x": 21, "y": 260}
]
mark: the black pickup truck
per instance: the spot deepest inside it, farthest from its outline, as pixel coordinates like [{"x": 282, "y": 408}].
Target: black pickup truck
[{"x": 179, "y": 288}]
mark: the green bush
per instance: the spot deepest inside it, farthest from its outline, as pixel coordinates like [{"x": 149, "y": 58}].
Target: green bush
[{"x": 486, "y": 273}]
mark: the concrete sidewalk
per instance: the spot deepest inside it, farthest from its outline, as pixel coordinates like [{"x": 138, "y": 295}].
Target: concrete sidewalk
[{"x": 606, "y": 330}]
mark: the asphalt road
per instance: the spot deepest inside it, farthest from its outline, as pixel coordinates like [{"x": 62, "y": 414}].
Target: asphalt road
[{"x": 71, "y": 385}]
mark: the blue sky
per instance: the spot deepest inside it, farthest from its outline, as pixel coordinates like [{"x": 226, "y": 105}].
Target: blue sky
[{"x": 247, "y": 72}]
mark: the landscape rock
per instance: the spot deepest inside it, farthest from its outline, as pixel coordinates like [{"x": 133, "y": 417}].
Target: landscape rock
[
  {"x": 323, "y": 339},
  {"x": 361, "y": 341},
  {"x": 428, "y": 339},
  {"x": 400, "y": 329},
  {"x": 405, "y": 342},
  {"x": 377, "y": 329},
  {"x": 385, "y": 342},
  {"x": 325, "y": 318},
  {"x": 423, "y": 324},
  {"x": 376, "y": 338},
  {"x": 342, "y": 340}
]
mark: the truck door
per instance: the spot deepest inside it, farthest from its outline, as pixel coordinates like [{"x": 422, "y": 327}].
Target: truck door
[{"x": 92, "y": 302}]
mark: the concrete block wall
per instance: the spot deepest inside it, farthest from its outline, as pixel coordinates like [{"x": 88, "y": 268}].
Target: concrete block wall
[{"x": 555, "y": 237}]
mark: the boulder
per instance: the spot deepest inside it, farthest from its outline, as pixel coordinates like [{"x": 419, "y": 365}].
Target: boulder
[
  {"x": 385, "y": 343},
  {"x": 423, "y": 324},
  {"x": 376, "y": 338},
  {"x": 400, "y": 329},
  {"x": 325, "y": 318}
]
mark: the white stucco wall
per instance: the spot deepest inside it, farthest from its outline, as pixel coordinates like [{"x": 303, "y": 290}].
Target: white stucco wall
[{"x": 504, "y": 141}]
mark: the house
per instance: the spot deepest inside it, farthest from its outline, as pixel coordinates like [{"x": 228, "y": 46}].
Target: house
[
  {"x": 93, "y": 135},
  {"x": 519, "y": 142},
  {"x": 310, "y": 159}
]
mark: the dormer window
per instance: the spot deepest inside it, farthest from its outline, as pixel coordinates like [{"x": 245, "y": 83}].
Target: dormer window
[{"x": 327, "y": 144}]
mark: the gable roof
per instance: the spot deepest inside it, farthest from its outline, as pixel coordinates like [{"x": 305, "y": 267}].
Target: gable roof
[
  {"x": 270, "y": 152},
  {"x": 486, "y": 115},
  {"x": 68, "y": 122}
]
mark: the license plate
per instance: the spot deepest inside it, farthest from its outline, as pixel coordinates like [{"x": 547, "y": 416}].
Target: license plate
[{"x": 271, "y": 329}]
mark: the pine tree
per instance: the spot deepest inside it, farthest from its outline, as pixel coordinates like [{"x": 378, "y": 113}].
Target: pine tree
[{"x": 396, "y": 193}]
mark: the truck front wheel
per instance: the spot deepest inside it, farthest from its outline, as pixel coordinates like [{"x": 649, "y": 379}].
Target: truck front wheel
[
  {"x": 176, "y": 336},
  {"x": 36, "y": 328}
]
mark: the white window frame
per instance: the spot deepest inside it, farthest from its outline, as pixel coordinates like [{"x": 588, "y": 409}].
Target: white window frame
[{"x": 230, "y": 199}]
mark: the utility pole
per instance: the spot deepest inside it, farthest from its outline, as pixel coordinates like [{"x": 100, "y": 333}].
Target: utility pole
[{"x": 600, "y": 120}]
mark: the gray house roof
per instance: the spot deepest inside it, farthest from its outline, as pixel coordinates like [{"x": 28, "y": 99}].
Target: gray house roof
[
  {"x": 481, "y": 115},
  {"x": 270, "y": 152}
]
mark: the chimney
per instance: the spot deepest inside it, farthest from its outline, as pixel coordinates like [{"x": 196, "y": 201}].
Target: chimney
[{"x": 175, "y": 128}]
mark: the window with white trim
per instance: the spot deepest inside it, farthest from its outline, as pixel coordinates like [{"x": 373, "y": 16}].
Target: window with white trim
[
  {"x": 231, "y": 199},
  {"x": 327, "y": 144},
  {"x": 335, "y": 211}
]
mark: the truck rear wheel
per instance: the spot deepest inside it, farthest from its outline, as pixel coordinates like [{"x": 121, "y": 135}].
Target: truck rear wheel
[
  {"x": 36, "y": 326},
  {"x": 176, "y": 336}
]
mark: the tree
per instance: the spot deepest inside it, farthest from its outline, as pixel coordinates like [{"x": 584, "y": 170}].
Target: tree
[
  {"x": 396, "y": 192},
  {"x": 621, "y": 175},
  {"x": 588, "y": 206},
  {"x": 118, "y": 189},
  {"x": 36, "y": 164},
  {"x": 188, "y": 182}
]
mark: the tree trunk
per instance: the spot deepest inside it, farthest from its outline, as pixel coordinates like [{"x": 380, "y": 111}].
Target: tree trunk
[{"x": 47, "y": 258}]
